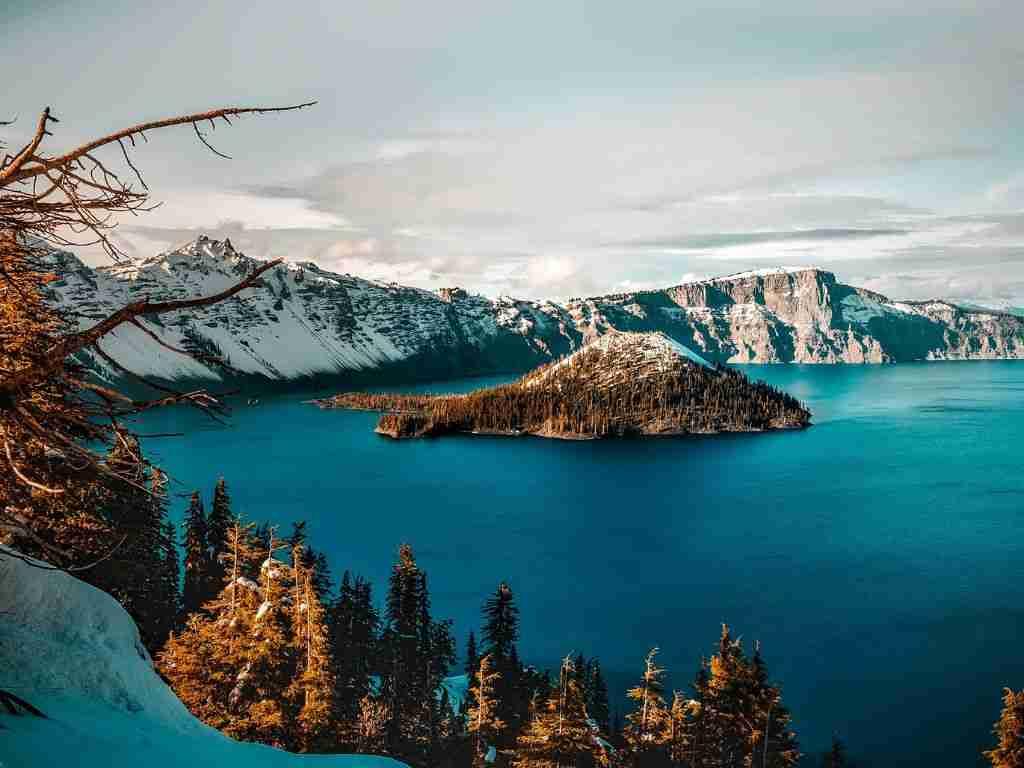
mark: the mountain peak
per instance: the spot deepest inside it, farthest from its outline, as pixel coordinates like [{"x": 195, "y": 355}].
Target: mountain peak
[{"x": 610, "y": 358}]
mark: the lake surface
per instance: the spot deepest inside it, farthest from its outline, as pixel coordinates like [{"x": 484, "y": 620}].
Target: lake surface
[{"x": 877, "y": 556}]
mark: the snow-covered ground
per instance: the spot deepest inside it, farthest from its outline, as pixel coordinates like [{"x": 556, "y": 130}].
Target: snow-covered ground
[
  {"x": 641, "y": 354},
  {"x": 72, "y": 651},
  {"x": 300, "y": 321}
]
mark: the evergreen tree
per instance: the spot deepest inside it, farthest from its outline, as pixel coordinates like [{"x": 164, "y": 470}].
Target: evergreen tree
[
  {"x": 270, "y": 660},
  {"x": 320, "y": 574},
  {"x": 597, "y": 703},
  {"x": 472, "y": 657},
  {"x": 648, "y": 727},
  {"x": 775, "y": 741},
  {"x": 743, "y": 717},
  {"x": 219, "y": 525},
  {"x": 1009, "y": 730},
  {"x": 316, "y": 716},
  {"x": 482, "y": 719},
  {"x": 197, "y": 557},
  {"x": 700, "y": 725},
  {"x": 353, "y": 625},
  {"x": 677, "y": 745},
  {"x": 559, "y": 735},
  {"x": 165, "y": 592},
  {"x": 137, "y": 573},
  {"x": 416, "y": 655},
  {"x": 207, "y": 663},
  {"x": 126, "y": 573},
  {"x": 499, "y": 635},
  {"x": 471, "y": 666},
  {"x": 836, "y": 756}
]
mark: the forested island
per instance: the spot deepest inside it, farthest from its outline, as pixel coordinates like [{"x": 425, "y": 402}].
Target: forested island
[{"x": 621, "y": 385}]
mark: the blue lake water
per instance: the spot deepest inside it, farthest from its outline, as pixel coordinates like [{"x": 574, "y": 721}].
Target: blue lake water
[{"x": 877, "y": 556}]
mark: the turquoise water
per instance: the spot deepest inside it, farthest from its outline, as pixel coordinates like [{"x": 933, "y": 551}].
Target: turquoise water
[{"x": 877, "y": 556}]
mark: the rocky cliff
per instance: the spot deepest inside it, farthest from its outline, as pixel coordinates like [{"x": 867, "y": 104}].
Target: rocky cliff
[{"x": 303, "y": 321}]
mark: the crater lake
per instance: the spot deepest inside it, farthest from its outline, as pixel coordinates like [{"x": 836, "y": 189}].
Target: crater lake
[{"x": 876, "y": 556}]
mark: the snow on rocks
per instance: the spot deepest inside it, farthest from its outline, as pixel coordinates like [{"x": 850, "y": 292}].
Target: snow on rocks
[
  {"x": 249, "y": 584},
  {"x": 72, "y": 651},
  {"x": 301, "y": 320},
  {"x": 265, "y": 606},
  {"x": 643, "y": 354}
]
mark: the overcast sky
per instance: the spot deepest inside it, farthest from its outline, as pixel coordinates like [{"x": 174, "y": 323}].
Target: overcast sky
[{"x": 552, "y": 149}]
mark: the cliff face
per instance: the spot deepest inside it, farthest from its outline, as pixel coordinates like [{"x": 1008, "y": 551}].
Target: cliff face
[
  {"x": 305, "y": 321},
  {"x": 804, "y": 316}
]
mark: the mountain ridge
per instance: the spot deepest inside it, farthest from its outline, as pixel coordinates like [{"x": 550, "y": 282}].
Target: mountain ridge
[{"x": 302, "y": 321}]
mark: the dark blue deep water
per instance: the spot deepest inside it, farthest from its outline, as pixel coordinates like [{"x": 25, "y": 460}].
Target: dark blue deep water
[{"x": 877, "y": 556}]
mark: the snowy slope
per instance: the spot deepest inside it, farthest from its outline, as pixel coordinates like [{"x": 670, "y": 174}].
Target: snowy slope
[
  {"x": 636, "y": 355},
  {"x": 303, "y": 321},
  {"x": 73, "y": 652}
]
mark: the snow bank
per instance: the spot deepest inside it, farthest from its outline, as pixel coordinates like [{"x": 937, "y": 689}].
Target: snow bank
[
  {"x": 73, "y": 652},
  {"x": 457, "y": 687}
]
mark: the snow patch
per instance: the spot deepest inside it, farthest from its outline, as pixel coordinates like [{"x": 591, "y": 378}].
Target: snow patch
[{"x": 72, "y": 651}]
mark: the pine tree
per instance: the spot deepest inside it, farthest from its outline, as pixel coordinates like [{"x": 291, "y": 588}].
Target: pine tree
[
  {"x": 165, "y": 591},
  {"x": 136, "y": 573},
  {"x": 207, "y": 663},
  {"x": 416, "y": 655},
  {"x": 700, "y": 725},
  {"x": 775, "y": 742},
  {"x": 352, "y": 624},
  {"x": 320, "y": 573},
  {"x": 598, "y": 701},
  {"x": 648, "y": 727},
  {"x": 836, "y": 756},
  {"x": 559, "y": 735},
  {"x": 219, "y": 525},
  {"x": 472, "y": 657},
  {"x": 1009, "y": 730},
  {"x": 500, "y": 633},
  {"x": 125, "y": 573},
  {"x": 482, "y": 719},
  {"x": 742, "y": 718},
  {"x": 472, "y": 664},
  {"x": 316, "y": 716},
  {"x": 270, "y": 660},
  {"x": 197, "y": 557}
]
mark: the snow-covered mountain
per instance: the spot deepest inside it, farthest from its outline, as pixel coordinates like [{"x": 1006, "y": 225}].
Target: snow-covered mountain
[
  {"x": 74, "y": 653},
  {"x": 303, "y": 321}
]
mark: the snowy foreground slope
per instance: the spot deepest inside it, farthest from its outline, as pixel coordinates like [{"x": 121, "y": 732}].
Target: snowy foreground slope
[
  {"x": 304, "y": 321},
  {"x": 73, "y": 652}
]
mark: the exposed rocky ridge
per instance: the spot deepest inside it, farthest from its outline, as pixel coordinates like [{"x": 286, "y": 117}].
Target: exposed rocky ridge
[
  {"x": 618, "y": 385},
  {"x": 304, "y": 321}
]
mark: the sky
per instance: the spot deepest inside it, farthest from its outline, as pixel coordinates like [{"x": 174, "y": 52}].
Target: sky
[{"x": 549, "y": 150}]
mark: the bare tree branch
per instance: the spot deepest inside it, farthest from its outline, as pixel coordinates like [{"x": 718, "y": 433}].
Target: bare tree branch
[{"x": 16, "y": 172}]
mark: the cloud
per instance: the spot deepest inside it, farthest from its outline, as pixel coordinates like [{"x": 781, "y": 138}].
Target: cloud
[
  {"x": 623, "y": 149},
  {"x": 724, "y": 239}
]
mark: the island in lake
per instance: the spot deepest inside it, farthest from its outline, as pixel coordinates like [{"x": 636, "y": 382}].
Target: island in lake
[{"x": 619, "y": 385}]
